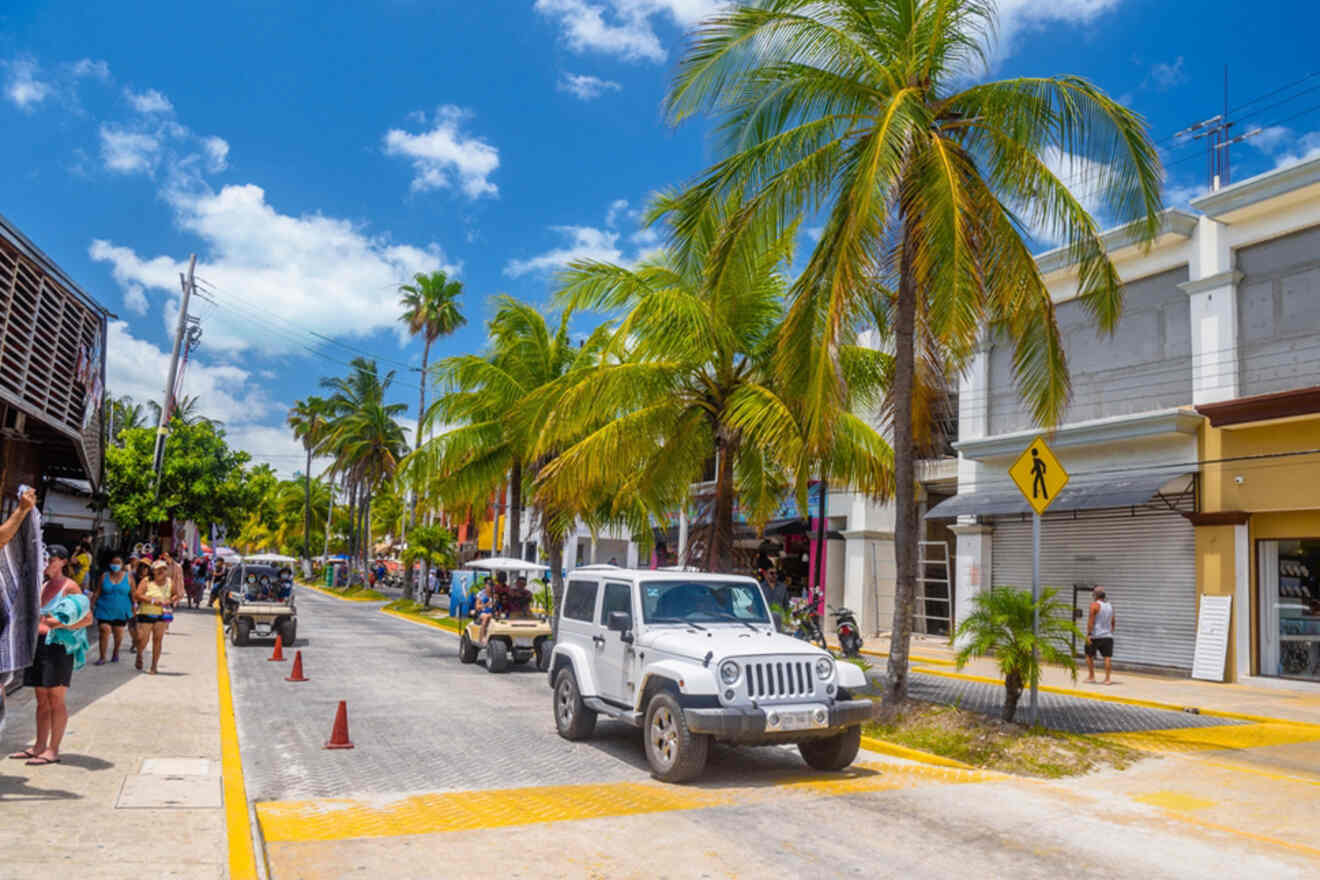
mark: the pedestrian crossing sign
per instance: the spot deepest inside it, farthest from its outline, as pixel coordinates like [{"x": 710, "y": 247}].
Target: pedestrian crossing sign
[{"x": 1038, "y": 475}]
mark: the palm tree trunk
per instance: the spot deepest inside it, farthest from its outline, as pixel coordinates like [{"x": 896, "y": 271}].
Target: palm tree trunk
[
  {"x": 329, "y": 518},
  {"x": 515, "y": 508},
  {"x": 820, "y": 541},
  {"x": 369, "y": 550},
  {"x": 719, "y": 551},
  {"x": 555, "y": 557},
  {"x": 307, "y": 507},
  {"x": 905, "y": 501},
  {"x": 1012, "y": 693},
  {"x": 408, "y": 591}
]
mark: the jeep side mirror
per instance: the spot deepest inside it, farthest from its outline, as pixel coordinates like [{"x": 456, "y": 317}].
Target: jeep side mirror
[{"x": 619, "y": 622}]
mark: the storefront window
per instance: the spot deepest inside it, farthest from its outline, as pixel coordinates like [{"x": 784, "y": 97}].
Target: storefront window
[{"x": 1290, "y": 608}]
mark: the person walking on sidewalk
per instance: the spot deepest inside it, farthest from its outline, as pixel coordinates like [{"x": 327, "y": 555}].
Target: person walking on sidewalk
[
  {"x": 112, "y": 605},
  {"x": 51, "y": 671},
  {"x": 1099, "y": 634},
  {"x": 155, "y": 596}
]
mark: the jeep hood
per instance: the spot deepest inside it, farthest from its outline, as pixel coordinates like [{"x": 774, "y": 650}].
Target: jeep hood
[{"x": 725, "y": 640}]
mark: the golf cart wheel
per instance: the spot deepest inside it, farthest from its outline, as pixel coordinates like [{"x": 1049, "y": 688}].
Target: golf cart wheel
[
  {"x": 242, "y": 631},
  {"x": 675, "y": 753},
  {"x": 573, "y": 719},
  {"x": 832, "y": 753},
  {"x": 288, "y": 631},
  {"x": 497, "y": 656},
  {"x": 543, "y": 651},
  {"x": 467, "y": 652}
]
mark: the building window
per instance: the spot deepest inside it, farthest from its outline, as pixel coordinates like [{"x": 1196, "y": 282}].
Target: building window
[{"x": 1289, "y": 617}]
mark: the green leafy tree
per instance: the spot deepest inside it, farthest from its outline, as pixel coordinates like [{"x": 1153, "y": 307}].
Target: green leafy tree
[
  {"x": 1000, "y": 625},
  {"x": 432, "y": 546},
  {"x": 125, "y": 415},
  {"x": 870, "y": 112},
  {"x": 202, "y": 479}
]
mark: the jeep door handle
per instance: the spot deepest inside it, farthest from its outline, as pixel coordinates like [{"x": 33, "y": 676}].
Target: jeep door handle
[{"x": 600, "y": 640}]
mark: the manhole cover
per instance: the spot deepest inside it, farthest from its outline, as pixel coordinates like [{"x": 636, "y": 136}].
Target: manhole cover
[
  {"x": 176, "y": 767},
  {"x": 158, "y": 792}
]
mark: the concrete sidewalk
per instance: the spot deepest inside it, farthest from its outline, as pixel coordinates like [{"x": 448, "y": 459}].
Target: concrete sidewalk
[
  {"x": 137, "y": 792},
  {"x": 1261, "y": 698}
]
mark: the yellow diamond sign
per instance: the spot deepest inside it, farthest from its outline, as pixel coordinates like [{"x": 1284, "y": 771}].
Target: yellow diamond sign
[{"x": 1038, "y": 475}]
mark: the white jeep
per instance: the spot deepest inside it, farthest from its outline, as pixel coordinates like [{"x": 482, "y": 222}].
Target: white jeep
[{"x": 693, "y": 657}]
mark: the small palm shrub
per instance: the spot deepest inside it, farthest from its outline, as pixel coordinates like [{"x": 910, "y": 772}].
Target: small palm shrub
[{"x": 1000, "y": 625}]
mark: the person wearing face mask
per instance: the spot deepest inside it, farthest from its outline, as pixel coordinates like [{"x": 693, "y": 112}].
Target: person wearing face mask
[
  {"x": 51, "y": 671},
  {"x": 283, "y": 588},
  {"x": 112, "y": 604}
]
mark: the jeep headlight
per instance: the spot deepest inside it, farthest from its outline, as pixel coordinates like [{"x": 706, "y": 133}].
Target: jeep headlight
[
  {"x": 729, "y": 672},
  {"x": 825, "y": 667}
]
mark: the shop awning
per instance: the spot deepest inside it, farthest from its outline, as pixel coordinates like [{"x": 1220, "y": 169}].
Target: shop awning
[{"x": 1120, "y": 489}]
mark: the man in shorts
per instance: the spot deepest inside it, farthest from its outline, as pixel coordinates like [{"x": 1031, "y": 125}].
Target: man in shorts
[{"x": 1099, "y": 633}]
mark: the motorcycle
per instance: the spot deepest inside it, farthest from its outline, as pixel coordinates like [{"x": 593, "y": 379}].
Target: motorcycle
[
  {"x": 805, "y": 622},
  {"x": 845, "y": 630}
]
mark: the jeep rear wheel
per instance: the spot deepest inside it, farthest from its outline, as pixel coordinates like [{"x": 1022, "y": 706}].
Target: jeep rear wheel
[
  {"x": 573, "y": 719},
  {"x": 467, "y": 652},
  {"x": 675, "y": 753},
  {"x": 834, "y": 752}
]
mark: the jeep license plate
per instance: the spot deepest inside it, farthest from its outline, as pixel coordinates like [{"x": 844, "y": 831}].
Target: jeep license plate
[{"x": 797, "y": 720}]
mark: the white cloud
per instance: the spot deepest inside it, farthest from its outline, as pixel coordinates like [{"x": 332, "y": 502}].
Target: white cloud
[
  {"x": 1299, "y": 149},
  {"x": 86, "y": 67},
  {"x": 276, "y": 276},
  {"x": 150, "y": 101},
  {"x": 1271, "y": 138},
  {"x": 217, "y": 153},
  {"x": 23, "y": 86},
  {"x": 135, "y": 299},
  {"x": 1165, "y": 76},
  {"x": 587, "y": 87},
  {"x": 444, "y": 156},
  {"x": 618, "y": 208},
  {"x": 584, "y": 243},
  {"x": 1017, "y": 16},
  {"x": 625, "y": 28},
  {"x": 128, "y": 152}
]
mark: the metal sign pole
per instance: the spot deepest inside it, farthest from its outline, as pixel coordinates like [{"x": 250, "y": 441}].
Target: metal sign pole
[{"x": 1035, "y": 610}]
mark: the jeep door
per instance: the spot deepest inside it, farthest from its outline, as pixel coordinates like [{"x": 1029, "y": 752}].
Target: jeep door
[
  {"x": 613, "y": 655},
  {"x": 577, "y": 624}
]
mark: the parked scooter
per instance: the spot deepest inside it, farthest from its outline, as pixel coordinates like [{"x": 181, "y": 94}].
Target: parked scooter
[
  {"x": 805, "y": 622},
  {"x": 846, "y": 631}
]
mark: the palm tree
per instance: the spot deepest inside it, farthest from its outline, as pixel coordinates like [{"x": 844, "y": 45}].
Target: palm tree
[
  {"x": 692, "y": 380},
  {"x": 125, "y": 415},
  {"x": 1001, "y": 625},
  {"x": 430, "y": 307},
  {"x": 185, "y": 410},
  {"x": 308, "y": 419},
  {"x": 927, "y": 181}
]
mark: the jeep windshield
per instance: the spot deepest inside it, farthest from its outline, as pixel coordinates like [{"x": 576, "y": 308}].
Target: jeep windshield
[{"x": 681, "y": 601}]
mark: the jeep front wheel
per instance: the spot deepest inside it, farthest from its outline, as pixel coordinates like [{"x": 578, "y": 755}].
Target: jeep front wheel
[
  {"x": 573, "y": 719},
  {"x": 833, "y": 752},
  {"x": 675, "y": 753}
]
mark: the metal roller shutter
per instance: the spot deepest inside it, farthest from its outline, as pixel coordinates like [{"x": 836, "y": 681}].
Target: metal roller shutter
[{"x": 1147, "y": 565}]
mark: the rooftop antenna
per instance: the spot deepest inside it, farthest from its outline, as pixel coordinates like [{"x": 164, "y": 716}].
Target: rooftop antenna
[{"x": 1217, "y": 130}]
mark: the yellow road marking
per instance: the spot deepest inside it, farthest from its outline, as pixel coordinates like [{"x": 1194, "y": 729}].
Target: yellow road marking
[
  {"x": 242, "y": 856},
  {"x": 1172, "y": 800},
  {"x": 344, "y": 818},
  {"x": 1216, "y": 738},
  {"x": 1238, "y": 832},
  {"x": 419, "y": 620},
  {"x": 885, "y": 747}
]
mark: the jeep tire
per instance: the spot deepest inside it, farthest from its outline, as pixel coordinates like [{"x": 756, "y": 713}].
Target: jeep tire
[
  {"x": 833, "y": 752},
  {"x": 675, "y": 753},
  {"x": 497, "y": 655},
  {"x": 467, "y": 652},
  {"x": 573, "y": 719}
]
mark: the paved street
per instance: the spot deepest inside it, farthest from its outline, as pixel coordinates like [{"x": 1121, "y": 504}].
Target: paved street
[{"x": 454, "y": 766}]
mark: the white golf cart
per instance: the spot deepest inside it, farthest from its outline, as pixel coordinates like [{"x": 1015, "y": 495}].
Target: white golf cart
[
  {"x": 253, "y": 604},
  {"x": 508, "y": 639}
]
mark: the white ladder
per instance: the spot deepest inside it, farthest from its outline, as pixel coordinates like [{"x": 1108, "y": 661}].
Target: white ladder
[{"x": 933, "y": 589}]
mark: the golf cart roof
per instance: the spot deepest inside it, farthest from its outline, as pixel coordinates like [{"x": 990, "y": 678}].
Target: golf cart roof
[
  {"x": 269, "y": 559},
  {"x": 505, "y": 563}
]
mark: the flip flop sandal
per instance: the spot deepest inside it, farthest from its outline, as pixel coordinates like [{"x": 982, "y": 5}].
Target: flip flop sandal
[
  {"x": 99, "y": 663},
  {"x": 41, "y": 762},
  {"x": 25, "y": 755}
]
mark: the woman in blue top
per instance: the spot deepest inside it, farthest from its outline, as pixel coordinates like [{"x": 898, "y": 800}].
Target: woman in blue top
[{"x": 112, "y": 604}]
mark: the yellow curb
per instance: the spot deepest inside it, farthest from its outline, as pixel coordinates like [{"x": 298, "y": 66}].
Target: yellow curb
[
  {"x": 885, "y": 747},
  {"x": 938, "y": 661},
  {"x": 332, "y": 595},
  {"x": 418, "y": 619},
  {"x": 1111, "y": 698},
  {"x": 242, "y": 855}
]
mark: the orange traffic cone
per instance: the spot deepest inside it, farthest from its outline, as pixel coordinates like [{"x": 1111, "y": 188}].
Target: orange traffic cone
[
  {"x": 339, "y": 735},
  {"x": 278, "y": 653},
  {"x": 297, "y": 674}
]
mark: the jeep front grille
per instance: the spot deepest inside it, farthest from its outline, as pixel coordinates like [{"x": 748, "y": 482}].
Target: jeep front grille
[{"x": 780, "y": 680}]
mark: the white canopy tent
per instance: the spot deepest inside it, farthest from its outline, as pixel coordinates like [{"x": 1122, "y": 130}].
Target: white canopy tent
[
  {"x": 269, "y": 559},
  {"x": 505, "y": 563}
]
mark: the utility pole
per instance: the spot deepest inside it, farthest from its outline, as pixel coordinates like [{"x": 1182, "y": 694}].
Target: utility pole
[
  {"x": 1217, "y": 129},
  {"x": 180, "y": 332}
]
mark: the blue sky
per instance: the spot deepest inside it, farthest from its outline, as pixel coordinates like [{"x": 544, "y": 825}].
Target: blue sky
[{"x": 314, "y": 155}]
